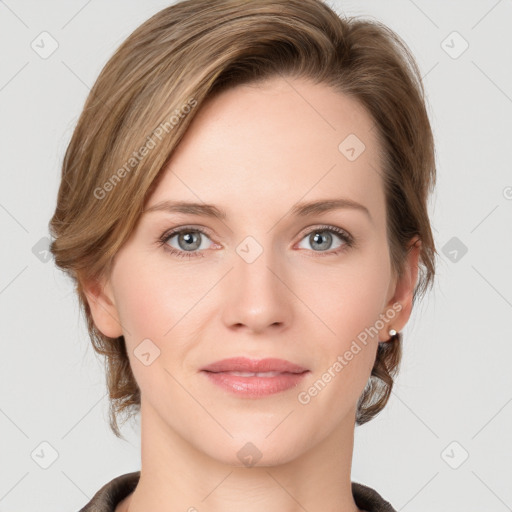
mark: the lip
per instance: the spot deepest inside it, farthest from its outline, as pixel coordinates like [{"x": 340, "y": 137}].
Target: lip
[
  {"x": 244, "y": 364},
  {"x": 285, "y": 375}
]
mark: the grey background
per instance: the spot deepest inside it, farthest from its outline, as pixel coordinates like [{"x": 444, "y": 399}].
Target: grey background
[{"x": 453, "y": 398}]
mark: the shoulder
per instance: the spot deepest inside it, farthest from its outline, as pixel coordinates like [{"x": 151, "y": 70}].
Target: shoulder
[
  {"x": 369, "y": 499},
  {"x": 112, "y": 493}
]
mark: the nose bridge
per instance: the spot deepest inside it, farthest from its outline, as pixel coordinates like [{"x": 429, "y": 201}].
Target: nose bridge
[{"x": 255, "y": 294}]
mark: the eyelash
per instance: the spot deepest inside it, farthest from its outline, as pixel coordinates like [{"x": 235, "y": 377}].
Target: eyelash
[{"x": 162, "y": 240}]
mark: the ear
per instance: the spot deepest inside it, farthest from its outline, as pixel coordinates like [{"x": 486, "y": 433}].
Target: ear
[
  {"x": 402, "y": 293},
  {"x": 103, "y": 308}
]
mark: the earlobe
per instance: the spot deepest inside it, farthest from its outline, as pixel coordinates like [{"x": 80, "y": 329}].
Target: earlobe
[
  {"x": 103, "y": 308},
  {"x": 401, "y": 301}
]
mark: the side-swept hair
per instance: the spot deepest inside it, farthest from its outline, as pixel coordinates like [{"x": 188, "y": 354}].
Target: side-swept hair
[{"x": 152, "y": 87}]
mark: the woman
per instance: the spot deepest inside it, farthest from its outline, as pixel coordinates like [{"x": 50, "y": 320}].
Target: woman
[{"x": 243, "y": 207}]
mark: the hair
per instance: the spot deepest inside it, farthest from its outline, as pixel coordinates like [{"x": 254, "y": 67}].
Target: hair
[{"x": 149, "y": 92}]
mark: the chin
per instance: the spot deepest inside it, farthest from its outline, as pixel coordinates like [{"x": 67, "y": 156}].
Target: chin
[{"x": 258, "y": 449}]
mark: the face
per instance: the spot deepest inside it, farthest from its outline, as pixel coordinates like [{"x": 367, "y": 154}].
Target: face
[{"x": 269, "y": 279}]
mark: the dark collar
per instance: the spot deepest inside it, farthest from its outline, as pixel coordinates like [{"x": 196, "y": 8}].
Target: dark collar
[{"x": 112, "y": 493}]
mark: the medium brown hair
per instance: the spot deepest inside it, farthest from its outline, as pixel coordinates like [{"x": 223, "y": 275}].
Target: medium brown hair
[{"x": 150, "y": 90}]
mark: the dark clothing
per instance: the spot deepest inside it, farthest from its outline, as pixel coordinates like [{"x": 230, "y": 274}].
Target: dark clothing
[{"x": 112, "y": 493}]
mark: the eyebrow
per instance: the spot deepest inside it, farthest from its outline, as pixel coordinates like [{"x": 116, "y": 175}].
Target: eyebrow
[{"x": 300, "y": 209}]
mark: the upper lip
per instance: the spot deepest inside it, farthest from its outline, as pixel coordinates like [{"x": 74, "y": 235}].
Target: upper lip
[{"x": 244, "y": 364}]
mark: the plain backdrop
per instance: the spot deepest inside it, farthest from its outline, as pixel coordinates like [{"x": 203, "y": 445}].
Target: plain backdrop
[{"x": 444, "y": 440}]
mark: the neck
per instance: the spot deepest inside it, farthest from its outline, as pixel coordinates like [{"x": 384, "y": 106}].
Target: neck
[{"x": 176, "y": 476}]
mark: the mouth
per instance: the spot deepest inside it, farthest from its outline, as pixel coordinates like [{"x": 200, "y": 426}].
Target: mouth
[
  {"x": 252, "y": 374},
  {"x": 245, "y": 364},
  {"x": 254, "y": 378}
]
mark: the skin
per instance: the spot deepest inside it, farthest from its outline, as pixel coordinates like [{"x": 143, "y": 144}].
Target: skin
[{"x": 255, "y": 151}]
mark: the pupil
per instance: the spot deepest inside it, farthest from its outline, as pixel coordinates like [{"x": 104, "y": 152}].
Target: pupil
[
  {"x": 190, "y": 242},
  {"x": 319, "y": 236}
]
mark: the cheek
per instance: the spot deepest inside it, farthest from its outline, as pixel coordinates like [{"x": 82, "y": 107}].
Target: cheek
[
  {"x": 348, "y": 300},
  {"x": 159, "y": 304},
  {"x": 151, "y": 306},
  {"x": 152, "y": 300},
  {"x": 344, "y": 359},
  {"x": 142, "y": 303}
]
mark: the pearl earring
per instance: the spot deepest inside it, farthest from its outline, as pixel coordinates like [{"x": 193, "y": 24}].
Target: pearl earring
[{"x": 392, "y": 332}]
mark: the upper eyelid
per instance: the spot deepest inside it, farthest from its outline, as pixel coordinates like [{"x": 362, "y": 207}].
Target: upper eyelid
[{"x": 325, "y": 227}]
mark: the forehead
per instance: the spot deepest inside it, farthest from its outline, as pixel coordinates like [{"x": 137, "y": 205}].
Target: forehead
[{"x": 275, "y": 143}]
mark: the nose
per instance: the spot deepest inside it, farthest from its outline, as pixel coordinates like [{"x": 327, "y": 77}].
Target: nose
[{"x": 258, "y": 293}]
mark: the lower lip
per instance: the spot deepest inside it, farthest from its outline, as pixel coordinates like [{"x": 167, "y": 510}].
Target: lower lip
[{"x": 255, "y": 387}]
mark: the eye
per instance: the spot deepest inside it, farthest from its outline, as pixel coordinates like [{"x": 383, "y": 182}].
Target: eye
[
  {"x": 188, "y": 241},
  {"x": 321, "y": 239}
]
